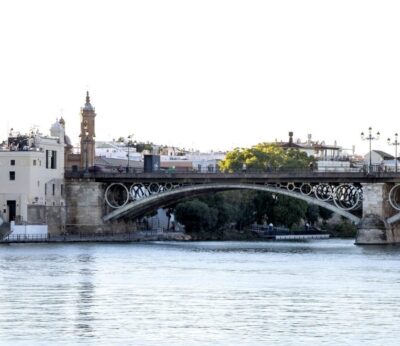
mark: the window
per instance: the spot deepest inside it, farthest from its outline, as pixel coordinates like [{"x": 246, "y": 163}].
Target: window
[
  {"x": 54, "y": 160},
  {"x": 12, "y": 162},
  {"x": 45, "y": 189},
  {"x": 54, "y": 189},
  {"x": 62, "y": 189},
  {"x": 34, "y": 162},
  {"x": 12, "y": 175},
  {"x": 51, "y": 159}
]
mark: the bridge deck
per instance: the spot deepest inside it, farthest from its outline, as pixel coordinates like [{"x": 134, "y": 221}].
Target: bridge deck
[{"x": 264, "y": 177}]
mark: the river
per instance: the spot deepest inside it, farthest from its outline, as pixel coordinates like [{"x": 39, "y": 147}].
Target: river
[{"x": 327, "y": 292}]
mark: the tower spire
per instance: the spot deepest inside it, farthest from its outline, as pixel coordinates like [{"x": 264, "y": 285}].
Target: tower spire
[{"x": 87, "y": 134}]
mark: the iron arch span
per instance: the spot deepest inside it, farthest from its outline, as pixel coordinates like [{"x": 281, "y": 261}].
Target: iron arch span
[{"x": 141, "y": 206}]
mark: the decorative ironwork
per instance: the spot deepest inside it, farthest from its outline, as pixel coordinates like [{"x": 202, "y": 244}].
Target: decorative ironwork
[
  {"x": 394, "y": 197},
  {"x": 116, "y": 195},
  {"x": 344, "y": 196}
]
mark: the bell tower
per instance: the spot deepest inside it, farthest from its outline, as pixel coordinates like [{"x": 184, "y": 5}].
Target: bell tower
[{"x": 87, "y": 135}]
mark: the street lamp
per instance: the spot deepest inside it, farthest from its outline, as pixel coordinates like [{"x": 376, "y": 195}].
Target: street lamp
[
  {"x": 370, "y": 138},
  {"x": 396, "y": 143},
  {"x": 129, "y": 143}
]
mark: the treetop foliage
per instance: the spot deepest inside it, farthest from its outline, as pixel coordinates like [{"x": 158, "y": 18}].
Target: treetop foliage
[{"x": 264, "y": 157}]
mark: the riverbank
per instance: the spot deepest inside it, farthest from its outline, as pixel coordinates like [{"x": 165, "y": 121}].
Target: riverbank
[
  {"x": 340, "y": 231},
  {"x": 153, "y": 235}
]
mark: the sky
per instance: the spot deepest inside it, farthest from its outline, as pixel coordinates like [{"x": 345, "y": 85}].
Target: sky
[{"x": 209, "y": 74}]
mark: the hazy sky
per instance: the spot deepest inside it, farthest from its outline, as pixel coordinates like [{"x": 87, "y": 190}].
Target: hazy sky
[{"x": 204, "y": 74}]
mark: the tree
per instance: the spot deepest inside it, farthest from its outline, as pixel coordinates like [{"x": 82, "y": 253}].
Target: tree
[
  {"x": 264, "y": 156},
  {"x": 312, "y": 213},
  {"x": 325, "y": 214},
  {"x": 196, "y": 216},
  {"x": 140, "y": 147},
  {"x": 264, "y": 203},
  {"x": 289, "y": 211},
  {"x": 226, "y": 210}
]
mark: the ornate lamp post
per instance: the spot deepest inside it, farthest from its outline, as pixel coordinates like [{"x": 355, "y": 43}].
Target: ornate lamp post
[
  {"x": 129, "y": 144},
  {"x": 396, "y": 143},
  {"x": 370, "y": 138}
]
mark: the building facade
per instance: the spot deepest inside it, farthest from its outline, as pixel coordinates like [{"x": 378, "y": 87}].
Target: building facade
[{"x": 32, "y": 176}]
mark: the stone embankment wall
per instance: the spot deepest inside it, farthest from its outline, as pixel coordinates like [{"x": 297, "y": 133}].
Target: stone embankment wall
[{"x": 53, "y": 216}]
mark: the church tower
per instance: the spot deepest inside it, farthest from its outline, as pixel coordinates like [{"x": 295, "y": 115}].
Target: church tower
[{"x": 87, "y": 134}]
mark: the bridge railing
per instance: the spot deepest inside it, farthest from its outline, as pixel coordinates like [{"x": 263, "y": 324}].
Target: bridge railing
[
  {"x": 374, "y": 170},
  {"x": 26, "y": 238},
  {"x": 85, "y": 237}
]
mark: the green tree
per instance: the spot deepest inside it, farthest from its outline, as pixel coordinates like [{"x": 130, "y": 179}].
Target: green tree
[
  {"x": 264, "y": 156},
  {"x": 196, "y": 216},
  {"x": 226, "y": 210},
  {"x": 289, "y": 211},
  {"x": 264, "y": 203},
  {"x": 325, "y": 214},
  {"x": 140, "y": 147},
  {"x": 312, "y": 213}
]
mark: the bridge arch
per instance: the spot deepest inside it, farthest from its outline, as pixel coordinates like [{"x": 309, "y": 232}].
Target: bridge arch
[{"x": 141, "y": 206}]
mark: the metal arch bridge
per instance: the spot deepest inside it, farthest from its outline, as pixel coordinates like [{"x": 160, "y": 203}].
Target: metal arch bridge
[
  {"x": 140, "y": 198},
  {"x": 133, "y": 195}
]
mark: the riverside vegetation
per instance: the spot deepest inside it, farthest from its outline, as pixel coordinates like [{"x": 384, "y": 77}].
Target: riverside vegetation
[{"x": 229, "y": 215}]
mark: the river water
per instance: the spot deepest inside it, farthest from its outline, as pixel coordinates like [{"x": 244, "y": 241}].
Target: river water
[{"x": 328, "y": 292}]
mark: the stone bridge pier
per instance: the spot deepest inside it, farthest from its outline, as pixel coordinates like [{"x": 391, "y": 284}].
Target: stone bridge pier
[
  {"x": 85, "y": 209},
  {"x": 379, "y": 223}
]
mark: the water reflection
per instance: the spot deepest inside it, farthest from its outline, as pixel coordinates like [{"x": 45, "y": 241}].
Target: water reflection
[{"x": 86, "y": 292}]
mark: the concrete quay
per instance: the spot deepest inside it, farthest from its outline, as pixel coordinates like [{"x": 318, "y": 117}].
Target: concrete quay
[{"x": 152, "y": 235}]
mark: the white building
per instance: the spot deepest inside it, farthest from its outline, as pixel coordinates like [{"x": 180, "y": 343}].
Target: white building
[
  {"x": 381, "y": 160},
  {"x": 117, "y": 150},
  {"x": 329, "y": 157},
  {"x": 206, "y": 162},
  {"x": 32, "y": 175}
]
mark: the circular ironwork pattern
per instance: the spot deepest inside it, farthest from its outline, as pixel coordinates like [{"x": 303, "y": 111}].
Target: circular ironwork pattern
[
  {"x": 344, "y": 196},
  {"x": 139, "y": 191},
  {"x": 394, "y": 197},
  {"x": 323, "y": 192},
  {"x": 347, "y": 197},
  {"x": 116, "y": 195},
  {"x": 306, "y": 189},
  {"x": 291, "y": 186}
]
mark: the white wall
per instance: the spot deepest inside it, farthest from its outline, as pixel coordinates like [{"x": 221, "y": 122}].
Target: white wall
[
  {"x": 31, "y": 176},
  {"x": 28, "y": 230}
]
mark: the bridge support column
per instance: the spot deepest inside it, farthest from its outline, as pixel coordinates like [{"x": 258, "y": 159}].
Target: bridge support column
[
  {"x": 373, "y": 228},
  {"x": 84, "y": 206},
  {"x": 85, "y": 209}
]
